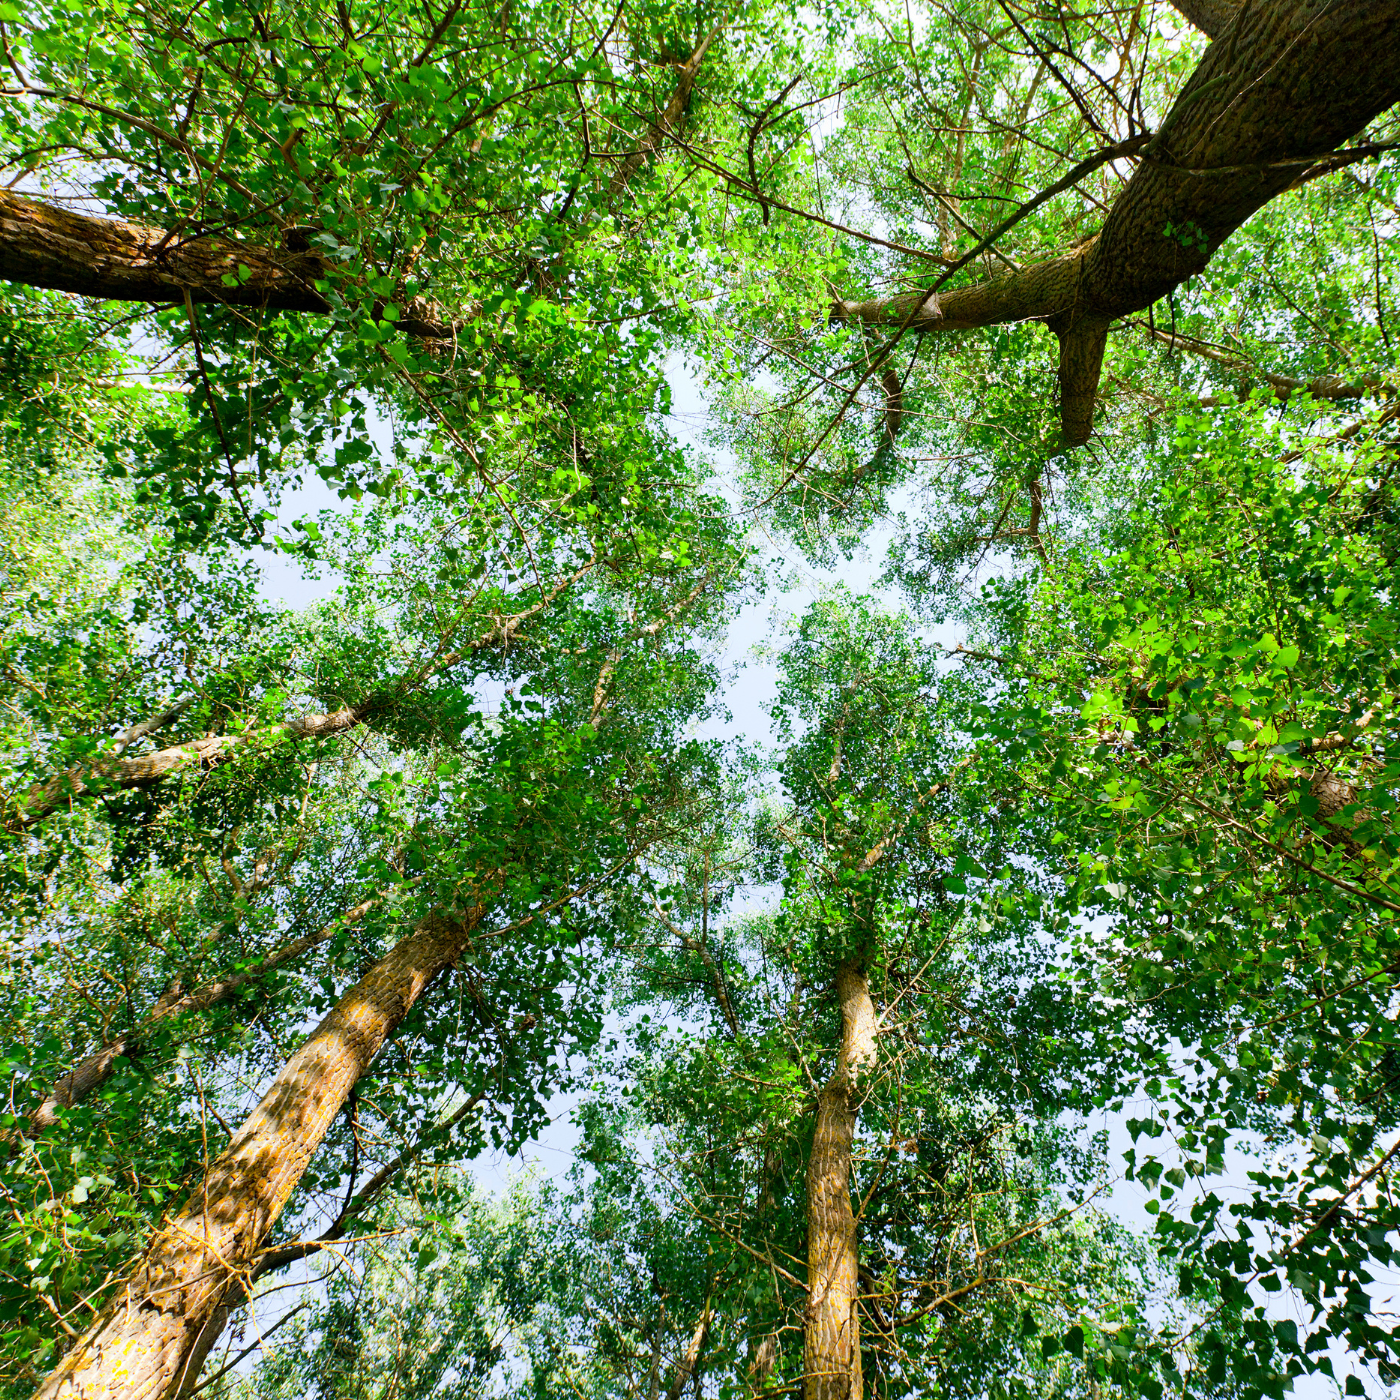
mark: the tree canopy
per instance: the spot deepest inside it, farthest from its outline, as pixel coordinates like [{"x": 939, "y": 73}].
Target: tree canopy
[{"x": 1017, "y": 1016}]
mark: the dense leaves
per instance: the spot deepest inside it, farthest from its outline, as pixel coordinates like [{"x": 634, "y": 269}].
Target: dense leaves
[{"x": 1099, "y": 816}]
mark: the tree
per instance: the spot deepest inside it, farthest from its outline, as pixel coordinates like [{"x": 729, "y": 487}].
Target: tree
[
  {"x": 1214, "y": 771},
  {"x": 539, "y": 776},
  {"x": 419, "y": 221}
]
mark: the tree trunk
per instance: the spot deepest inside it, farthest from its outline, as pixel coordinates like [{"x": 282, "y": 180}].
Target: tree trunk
[
  {"x": 1284, "y": 84},
  {"x": 686, "y": 1368},
  {"x": 280, "y": 1257},
  {"x": 832, "y": 1342},
  {"x": 142, "y": 1344}
]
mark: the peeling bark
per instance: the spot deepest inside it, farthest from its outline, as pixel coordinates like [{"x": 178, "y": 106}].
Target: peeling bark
[
  {"x": 832, "y": 1340},
  {"x": 1284, "y": 85},
  {"x": 143, "y": 1343}
]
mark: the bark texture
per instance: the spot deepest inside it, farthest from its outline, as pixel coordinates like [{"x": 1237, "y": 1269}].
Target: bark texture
[
  {"x": 1209, "y": 16},
  {"x": 43, "y": 245},
  {"x": 832, "y": 1340},
  {"x": 1284, "y": 84},
  {"x": 143, "y": 1344},
  {"x": 46, "y": 246},
  {"x": 271, "y": 1260}
]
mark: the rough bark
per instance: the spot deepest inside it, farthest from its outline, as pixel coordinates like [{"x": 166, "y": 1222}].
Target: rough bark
[
  {"x": 94, "y": 1070},
  {"x": 1209, "y": 16},
  {"x": 43, "y": 245},
  {"x": 832, "y": 1340},
  {"x": 1283, "y": 85},
  {"x": 271, "y": 1260},
  {"x": 144, "y": 1342}
]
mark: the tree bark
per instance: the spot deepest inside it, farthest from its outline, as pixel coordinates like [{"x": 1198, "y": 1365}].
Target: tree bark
[
  {"x": 271, "y": 1260},
  {"x": 142, "y": 1344},
  {"x": 832, "y": 1341},
  {"x": 43, "y": 245},
  {"x": 1283, "y": 86},
  {"x": 1209, "y": 16},
  {"x": 46, "y": 246}
]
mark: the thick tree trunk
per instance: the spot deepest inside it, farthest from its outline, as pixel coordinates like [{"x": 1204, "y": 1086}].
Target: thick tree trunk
[
  {"x": 143, "y": 1343},
  {"x": 271, "y": 1260},
  {"x": 1284, "y": 84},
  {"x": 832, "y": 1342}
]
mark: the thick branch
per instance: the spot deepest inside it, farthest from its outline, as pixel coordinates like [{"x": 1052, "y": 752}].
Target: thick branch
[
  {"x": 43, "y": 245},
  {"x": 668, "y": 120},
  {"x": 215, "y": 749},
  {"x": 194, "y": 755},
  {"x": 1290, "y": 82}
]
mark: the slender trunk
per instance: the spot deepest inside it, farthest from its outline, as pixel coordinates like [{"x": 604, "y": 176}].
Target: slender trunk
[
  {"x": 147, "y": 770},
  {"x": 688, "y": 1362},
  {"x": 143, "y": 1343},
  {"x": 832, "y": 1342}
]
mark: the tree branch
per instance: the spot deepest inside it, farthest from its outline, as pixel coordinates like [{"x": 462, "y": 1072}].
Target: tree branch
[{"x": 1296, "y": 80}]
